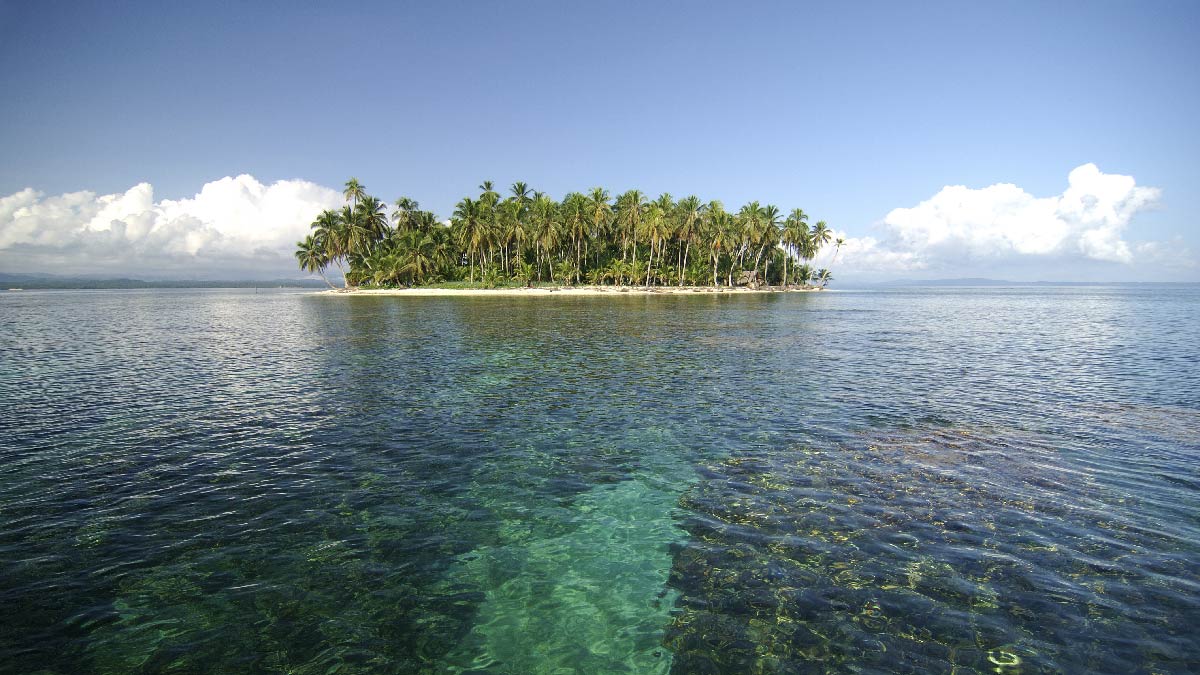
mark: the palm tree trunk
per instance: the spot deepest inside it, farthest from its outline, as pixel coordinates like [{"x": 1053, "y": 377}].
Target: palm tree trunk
[
  {"x": 687, "y": 249},
  {"x": 662, "y": 255},
  {"x": 345, "y": 281},
  {"x": 649, "y": 266}
]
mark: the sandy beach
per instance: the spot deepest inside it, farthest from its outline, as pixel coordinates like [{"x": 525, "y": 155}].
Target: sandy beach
[{"x": 568, "y": 290}]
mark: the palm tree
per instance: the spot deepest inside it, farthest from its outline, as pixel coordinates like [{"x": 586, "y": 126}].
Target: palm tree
[
  {"x": 489, "y": 194},
  {"x": 330, "y": 235},
  {"x": 542, "y": 227},
  {"x": 600, "y": 213},
  {"x": 512, "y": 229},
  {"x": 631, "y": 208},
  {"x": 803, "y": 273},
  {"x": 374, "y": 214},
  {"x": 837, "y": 246},
  {"x": 654, "y": 228},
  {"x": 690, "y": 211},
  {"x": 718, "y": 225},
  {"x": 358, "y": 233},
  {"x": 472, "y": 231},
  {"x": 549, "y": 236},
  {"x": 354, "y": 191},
  {"x": 423, "y": 257},
  {"x": 312, "y": 258},
  {"x": 574, "y": 218},
  {"x": 520, "y": 191},
  {"x": 824, "y": 276},
  {"x": 794, "y": 237},
  {"x": 820, "y": 236},
  {"x": 749, "y": 220},
  {"x": 404, "y": 214},
  {"x": 769, "y": 215}
]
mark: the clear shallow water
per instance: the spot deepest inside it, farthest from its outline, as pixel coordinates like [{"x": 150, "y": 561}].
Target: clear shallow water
[{"x": 908, "y": 481}]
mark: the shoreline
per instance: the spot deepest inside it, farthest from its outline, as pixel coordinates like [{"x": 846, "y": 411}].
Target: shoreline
[{"x": 569, "y": 290}]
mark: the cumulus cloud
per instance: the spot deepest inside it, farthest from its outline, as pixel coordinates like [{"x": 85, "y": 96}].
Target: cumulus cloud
[
  {"x": 977, "y": 229},
  {"x": 233, "y": 228}
]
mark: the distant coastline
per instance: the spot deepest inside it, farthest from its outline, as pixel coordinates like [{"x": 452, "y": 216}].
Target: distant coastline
[
  {"x": 976, "y": 282},
  {"x": 31, "y": 282}
]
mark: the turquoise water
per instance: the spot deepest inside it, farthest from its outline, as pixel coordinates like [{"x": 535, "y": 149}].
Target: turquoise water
[{"x": 922, "y": 480}]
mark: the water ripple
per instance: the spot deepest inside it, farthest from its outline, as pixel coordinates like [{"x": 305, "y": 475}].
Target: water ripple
[{"x": 918, "y": 480}]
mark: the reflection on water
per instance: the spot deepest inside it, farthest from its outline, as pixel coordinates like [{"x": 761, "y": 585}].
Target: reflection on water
[{"x": 964, "y": 480}]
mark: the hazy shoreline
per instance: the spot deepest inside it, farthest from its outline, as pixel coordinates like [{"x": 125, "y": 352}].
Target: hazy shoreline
[{"x": 566, "y": 290}]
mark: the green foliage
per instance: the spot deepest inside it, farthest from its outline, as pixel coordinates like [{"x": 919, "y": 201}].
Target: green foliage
[
  {"x": 697, "y": 272},
  {"x": 564, "y": 272},
  {"x": 492, "y": 278},
  {"x": 528, "y": 237},
  {"x": 524, "y": 274},
  {"x": 804, "y": 274}
]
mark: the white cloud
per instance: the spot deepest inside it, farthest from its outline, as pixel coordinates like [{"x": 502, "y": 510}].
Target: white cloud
[
  {"x": 975, "y": 230},
  {"x": 241, "y": 228},
  {"x": 233, "y": 228}
]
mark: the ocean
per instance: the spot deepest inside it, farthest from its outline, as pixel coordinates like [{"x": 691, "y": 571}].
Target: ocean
[{"x": 921, "y": 480}]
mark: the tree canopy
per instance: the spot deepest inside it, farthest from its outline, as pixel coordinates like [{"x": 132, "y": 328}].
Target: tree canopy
[{"x": 589, "y": 237}]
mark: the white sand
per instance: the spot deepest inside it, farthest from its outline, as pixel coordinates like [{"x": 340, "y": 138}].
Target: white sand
[{"x": 567, "y": 290}]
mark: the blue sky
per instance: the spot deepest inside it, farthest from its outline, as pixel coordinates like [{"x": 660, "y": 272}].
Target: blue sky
[{"x": 850, "y": 110}]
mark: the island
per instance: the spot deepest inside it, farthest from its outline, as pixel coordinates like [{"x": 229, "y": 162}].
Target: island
[{"x": 587, "y": 243}]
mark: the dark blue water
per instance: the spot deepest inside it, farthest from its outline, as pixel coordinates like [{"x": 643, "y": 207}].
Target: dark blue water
[{"x": 928, "y": 480}]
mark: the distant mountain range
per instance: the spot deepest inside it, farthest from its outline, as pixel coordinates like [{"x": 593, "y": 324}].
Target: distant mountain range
[{"x": 51, "y": 281}]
